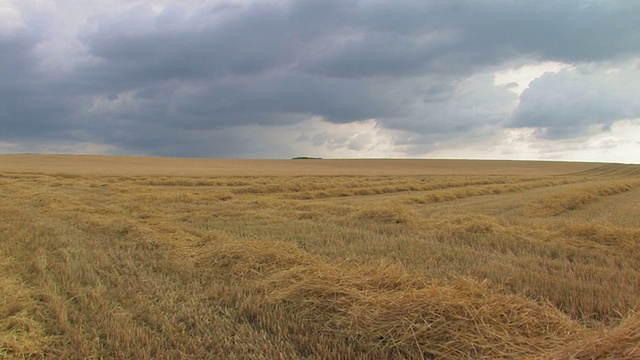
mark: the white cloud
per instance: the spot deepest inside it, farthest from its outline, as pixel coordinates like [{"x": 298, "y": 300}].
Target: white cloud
[
  {"x": 10, "y": 17},
  {"x": 317, "y": 137},
  {"x": 357, "y": 139},
  {"x": 618, "y": 144},
  {"x": 60, "y": 147},
  {"x": 517, "y": 79}
]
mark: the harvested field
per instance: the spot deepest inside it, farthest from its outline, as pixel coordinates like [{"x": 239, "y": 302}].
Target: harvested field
[
  {"x": 149, "y": 166},
  {"x": 115, "y": 257}
]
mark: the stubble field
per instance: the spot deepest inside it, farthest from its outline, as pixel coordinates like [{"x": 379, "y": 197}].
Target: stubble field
[{"x": 106, "y": 257}]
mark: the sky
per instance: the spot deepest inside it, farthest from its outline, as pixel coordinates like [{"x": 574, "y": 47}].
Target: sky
[{"x": 476, "y": 79}]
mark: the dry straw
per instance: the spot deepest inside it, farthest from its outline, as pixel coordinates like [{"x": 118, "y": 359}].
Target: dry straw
[
  {"x": 20, "y": 333},
  {"x": 392, "y": 311},
  {"x": 621, "y": 342},
  {"x": 205, "y": 267}
]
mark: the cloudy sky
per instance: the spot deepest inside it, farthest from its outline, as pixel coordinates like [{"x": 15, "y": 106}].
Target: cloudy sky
[{"x": 505, "y": 79}]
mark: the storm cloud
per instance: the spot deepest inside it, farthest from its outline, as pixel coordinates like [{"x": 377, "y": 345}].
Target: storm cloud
[
  {"x": 579, "y": 101},
  {"x": 331, "y": 78}
]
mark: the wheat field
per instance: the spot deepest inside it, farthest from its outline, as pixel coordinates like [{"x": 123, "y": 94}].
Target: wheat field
[{"x": 151, "y": 258}]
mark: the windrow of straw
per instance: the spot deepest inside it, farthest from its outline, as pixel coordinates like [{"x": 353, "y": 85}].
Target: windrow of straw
[
  {"x": 567, "y": 200},
  {"x": 389, "y": 311},
  {"x": 626, "y": 239},
  {"x": 621, "y": 342},
  {"x": 328, "y": 187},
  {"x": 448, "y": 193}
]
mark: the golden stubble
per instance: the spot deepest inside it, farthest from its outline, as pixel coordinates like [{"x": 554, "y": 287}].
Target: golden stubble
[{"x": 458, "y": 265}]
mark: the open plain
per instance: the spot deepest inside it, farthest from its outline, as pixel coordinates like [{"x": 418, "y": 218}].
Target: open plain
[{"x": 130, "y": 257}]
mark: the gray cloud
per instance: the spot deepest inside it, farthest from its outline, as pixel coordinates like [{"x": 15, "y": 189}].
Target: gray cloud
[
  {"x": 579, "y": 102},
  {"x": 461, "y": 36},
  {"x": 161, "y": 82},
  {"x": 205, "y": 43},
  {"x": 355, "y": 39},
  {"x": 29, "y": 106}
]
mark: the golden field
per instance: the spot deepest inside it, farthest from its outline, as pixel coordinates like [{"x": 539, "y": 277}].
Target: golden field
[{"x": 128, "y": 257}]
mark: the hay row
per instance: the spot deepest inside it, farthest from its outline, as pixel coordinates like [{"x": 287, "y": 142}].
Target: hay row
[{"x": 401, "y": 315}]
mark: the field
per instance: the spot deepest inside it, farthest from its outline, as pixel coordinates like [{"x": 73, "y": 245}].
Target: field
[{"x": 115, "y": 257}]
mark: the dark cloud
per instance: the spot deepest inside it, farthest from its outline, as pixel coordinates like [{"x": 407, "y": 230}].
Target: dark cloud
[
  {"x": 160, "y": 82},
  {"x": 408, "y": 37},
  {"x": 206, "y": 43},
  {"x": 578, "y": 102},
  {"x": 356, "y": 39},
  {"x": 568, "y": 31},
  {"x": 16, "y": 60},
  {"x": 29, "y": 107}
]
